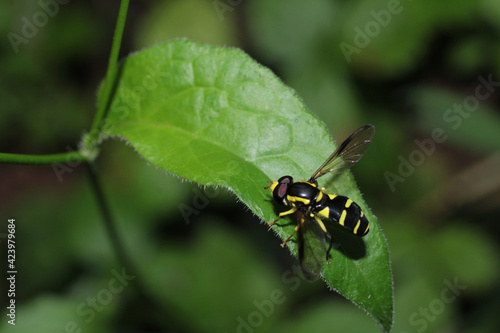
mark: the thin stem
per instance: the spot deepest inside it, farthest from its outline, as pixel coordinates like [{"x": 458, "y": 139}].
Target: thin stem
[
  {"x": 164, "y": 313},
  {"x": 96, "y": 123},
  {"x": 112, "y": 67},
  {"x": 69, "y": 157},
  {"x": 107, "y": 217}
]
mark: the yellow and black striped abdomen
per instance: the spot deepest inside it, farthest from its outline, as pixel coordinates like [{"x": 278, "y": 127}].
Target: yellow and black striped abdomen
[{"x": 345, "y": 211}]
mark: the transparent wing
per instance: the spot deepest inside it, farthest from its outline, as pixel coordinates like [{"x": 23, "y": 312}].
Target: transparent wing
[
  {"x": 348, "y": 153},
  {"x": 311, "y": 243}
]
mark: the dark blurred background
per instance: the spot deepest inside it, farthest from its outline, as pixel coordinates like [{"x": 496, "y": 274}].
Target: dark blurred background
[{"x": 425, "y": 73}]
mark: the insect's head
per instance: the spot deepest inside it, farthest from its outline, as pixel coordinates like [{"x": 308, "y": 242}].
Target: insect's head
[{"x": 279, "y": 189}]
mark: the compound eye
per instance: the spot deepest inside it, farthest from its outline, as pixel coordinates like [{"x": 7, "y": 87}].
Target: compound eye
[
  {"x": 285, "y": 180},
  {"x": 280, "y": 190}
]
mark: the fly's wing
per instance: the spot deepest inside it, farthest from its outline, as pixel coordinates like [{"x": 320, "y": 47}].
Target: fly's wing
[
  {"x": 348, "y": 153},
  {"x": 311, "y": 243}
]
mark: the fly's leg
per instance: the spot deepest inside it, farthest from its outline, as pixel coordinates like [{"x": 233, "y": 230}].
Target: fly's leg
[
  {"x": 288, "y": 212},
  {"x": 294, "y": 231},
  {"x": 329, "y": 248},
  {"x": 327, "y": 234}
]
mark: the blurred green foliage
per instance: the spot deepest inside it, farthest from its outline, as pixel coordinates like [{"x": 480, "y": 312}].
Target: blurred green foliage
[{"x": 440, "y": 221}]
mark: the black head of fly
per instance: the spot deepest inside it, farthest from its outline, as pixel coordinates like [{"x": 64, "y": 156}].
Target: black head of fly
[{"x": 280, "y": 188}]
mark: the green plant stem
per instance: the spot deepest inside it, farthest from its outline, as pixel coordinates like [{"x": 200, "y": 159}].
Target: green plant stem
[
  {"x": 69, "y": 157},
  {"x": 96, "y": 123},
  {"x": 107, "y": 217},
  {"x": 165, "y": 315},
  {"x": 112, "y": 67},
  {"x": 156, "y": 310}
]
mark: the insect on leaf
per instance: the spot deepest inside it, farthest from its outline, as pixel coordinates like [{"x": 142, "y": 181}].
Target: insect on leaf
[{"x": 214, "y": 116}]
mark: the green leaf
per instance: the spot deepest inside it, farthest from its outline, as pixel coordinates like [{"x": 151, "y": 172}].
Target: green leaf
[{"x": 214, "y": 116}]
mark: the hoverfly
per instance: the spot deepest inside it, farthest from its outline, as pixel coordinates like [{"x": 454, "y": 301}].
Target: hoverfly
[{"x": 308, "y": 201}]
